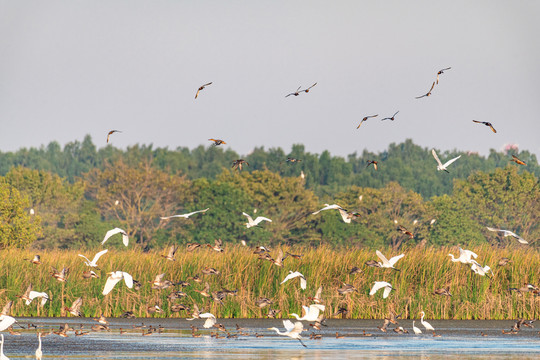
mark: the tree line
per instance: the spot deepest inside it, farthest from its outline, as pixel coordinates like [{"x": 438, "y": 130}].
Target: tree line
[{"x": 68, "y": 198}]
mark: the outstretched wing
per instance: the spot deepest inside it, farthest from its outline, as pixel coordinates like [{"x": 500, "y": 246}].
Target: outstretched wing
[
  {"x": 128, "y": 279},
  {"x": 387, "y": 290},
  {"x": 6, "y": 321},
  {"x": 250, "y": 219},
  {"x": 98, "y": 255},
  {"x": 110, "y": 283},
  {"x": 111, "y": 233},
  {"x": 395, "y": 259},
  {"x": 451, "y": 161},
  {"x": 261, "y": 218},
  {"x": 383, "y": 258},
  {"x": 288, "y": 324},
  {"x": 436, "y": 157},
  {"x": 378, "y": 285},
  {"x": 345, "y": 216}
]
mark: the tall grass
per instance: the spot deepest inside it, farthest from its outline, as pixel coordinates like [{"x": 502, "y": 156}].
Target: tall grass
[{"x": 422, "y": 271}]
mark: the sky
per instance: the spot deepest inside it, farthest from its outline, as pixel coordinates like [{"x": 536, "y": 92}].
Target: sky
[{"x": 71, "y": 68}]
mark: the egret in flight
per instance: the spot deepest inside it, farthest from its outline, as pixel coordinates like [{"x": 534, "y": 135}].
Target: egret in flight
[
  {"x": 509, "y": 233},
  {"x": 93, "y": 263},
  {"x": 125, "y": 238},
  {"x": 185, "y": 216},
  {"x": 388, "y": 263},
  {"x": 255, "y": 222},
  {"x": 440, "y": 165},
  {"x": 292, "y": 275},
  {"x": 311, "y": 312},
  {"x": 291, "y": 330},
  {"x": 114, "y": 278},
  {"x": 465, "y": 256},
  {"x": 379, "y": 285}
]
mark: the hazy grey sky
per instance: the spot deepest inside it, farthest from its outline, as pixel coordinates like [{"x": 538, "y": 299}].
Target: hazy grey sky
[{"x": 70, "y": 68}]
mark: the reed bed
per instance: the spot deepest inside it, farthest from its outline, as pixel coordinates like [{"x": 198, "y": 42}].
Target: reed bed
[{"x": 423, "y": 269}]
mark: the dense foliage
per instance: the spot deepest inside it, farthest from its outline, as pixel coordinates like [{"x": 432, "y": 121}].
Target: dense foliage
[{"x": 79, "y": 192}]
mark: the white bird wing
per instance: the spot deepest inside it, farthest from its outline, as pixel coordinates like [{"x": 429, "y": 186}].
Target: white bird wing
[
  {"x": 387, "y": 290},
  {"x": 451, "y": 161},
  {"x": 383, "y": 258},
  {"x": 261, "y": 218},
  {"x": 128, "y": 279},
  {"x": 111, "y": 233},
  {"x": 297, "y": 328},
  {"x": 303, "y": 283},
  {"x": 184, "y": 215},
  {"x": 291, "y": 275},
  {"x": 196, "y": 212},
  {"x": 288, "y": 324},
  {"x": 379, "y": 285},
  {"x": 468, "y": 253},
  {"x": 250, "y": 219},
  {"x": 125, "y": 239},
  {"x": 98, "y": 255},
  {"x": 210, "y": 320},
  {"x": 492, "y": 229},
  {"x": 395, "y": 259},
  {"x": 88, "y": 261},
  {"x": 112, "y": 280},
  {"x": 327, "y": 207},
  {"x": 436, "y": 157},
  {"x": 6, "y": 321}
]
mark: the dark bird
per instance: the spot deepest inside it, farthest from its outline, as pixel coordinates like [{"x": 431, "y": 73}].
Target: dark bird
[
  {"x": 110, "y": 133},
  {"x": 170, "y": 253},
  {"x": 443, "y": 292},
  {"x": 374, "y": 162},
  {"x": 504, "y": 261},
  {"x": 237, "y": 164},
  {"x": 36, "y": 260},
  {"x": 355, "y": 270},
  {"x": 296, "y": 93},
  {"x": 517, "y": 160},
  {"x": 391, "y": 118},
  {"x": 192, "y": 246},
  {"x": 60, "y": 275},
  {"x": 292, "y": 160},
  {"x": 487, "y": 124},
  {"x": 441, "y": 72},
  {"x": 218, "y": 243},
  {"x": 403, "y": 230},
  {"x": 428, "y": 93},
  {"x": 365, "y": 119},
  {"x": 217, "y": 142},
  {"x": 201, "y": 88},
  {"x": 263, "y": 302}
]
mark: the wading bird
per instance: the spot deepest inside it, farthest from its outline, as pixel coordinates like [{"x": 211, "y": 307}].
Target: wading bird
[
  {"x": 292, "y": 275},
  {"x": 441, "y": 166},
  {"x": 311, "y": 312},
  {"x": 487, "y": 124},
  {"x": 201, "y": 88},
  {"x": 185, "y": 216},
  {"x": 465, "y": 256},
  {"x": 39, "y": 353},
  {"x": 114, "y": 278},
  {"x": 291, "y": 330},
  {"x": 441, "y": 72},
  {"x": 93, "y": 263},
  {"x": 416, "y": 330},
  {"x": 2, "y": 356},
  {"x": 425, "y": 323},
  {"x": 379, "y": 285},
  {"x": 509, "y": 233},
  {"x": 365, "y": 119},
  {"x": 517, "y": 160},
  {"x": 255, "y": 222},
  {"x": 110, "y": 133},
  {"x": 392, "y": 117},
  {"x": 428, "y": 93},
  {"x": 388, "y": 263},
  {"x": 125, "y": 238}
]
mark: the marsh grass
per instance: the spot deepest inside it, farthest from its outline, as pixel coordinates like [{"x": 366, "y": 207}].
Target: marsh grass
[{"x": 421, "y": 271}]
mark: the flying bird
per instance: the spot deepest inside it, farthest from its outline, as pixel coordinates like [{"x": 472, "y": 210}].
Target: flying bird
[
  {"x": 428, "y": 93},
  {"x": 390, "y": 118},
  {"x": 517, "y": 160},
  {"x": 327, "y": 207},
  {"x": 509, "y": 233},
  {"x": 402, "y": 229},
  {"x": 291, "y": 330},
  {"x": 36, "y": 260},
  {"x": 311, "y": 312},
  {"x": 217, "y": 142},
  {"x": 170, "y": 253},
  {"x": 487, "y": 124},
  {"x": 441, "y": 72},
  {"x": 465, "y": 256},
  {"x": 110, "y": 133},
  {"x": 388, "y": 263},
  {"x": 201, "y": 88},
  {"x": 478, "y": 269},
  {"x": 443, "y": 291},
  {"x": 374, "y": 162},
  {"x": 255, "y": 222},
  {"x": 93, "y": 263},
  {"x": 292, "y": 275},
  {"x": 441, "y": 166},
  {"x": 75, "y": 308},
  {"x": 365, "y": 119},
  {"x": 237, "y": 164},
  {"x": 114, "y": 278},
  {"x": 296, "y": 93},
  {"x": 379, "y": 285},
  {"x": 309, "y": 88},
  {"x": 185, "y": 216},
  {"x": 125, "y": 238}
]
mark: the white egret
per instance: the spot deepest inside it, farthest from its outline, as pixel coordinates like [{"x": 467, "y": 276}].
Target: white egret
[
  {"x": 291, "y": 330},
  {"x": 292, "y": 275},
  {"x": 416, "y": 330},
  {"x": 440, "y": 165},
  {"x": 185, "y": 216},
  {"x": 39, "y": 353},
  {"x": 125, "y": 238},
  {"x": 93, "y": 263},
  {"x": 311, "y": 312},
  {"x": 35, "y": 294},
  {"x": 509, "y": 233},
  {"x": 465, "y": 256},
  {"x": 388, "y": 263},
  {"x": 2, "y": 356},
  {"x": 210, "y": 320},
  {"x": 379, "y": 285},
  {"x": 114, "y": 278},
  {"x": 478, "y": 269},
  {"x": 327, "y": 207},
  {"x": 255, "y": 222},
  {"x": 6, "y": 321},
  {"x": 425, "y": 323}
]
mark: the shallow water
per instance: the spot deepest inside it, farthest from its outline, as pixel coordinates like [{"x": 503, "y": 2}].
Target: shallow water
[{"x": 459, "y": 339}]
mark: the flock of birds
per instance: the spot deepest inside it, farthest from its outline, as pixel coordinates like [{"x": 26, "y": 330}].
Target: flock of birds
[{"x": 311, "y": 313}]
